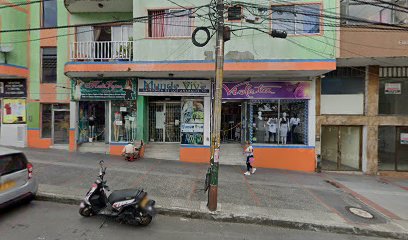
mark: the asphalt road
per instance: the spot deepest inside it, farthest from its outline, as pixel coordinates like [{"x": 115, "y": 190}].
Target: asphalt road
[{"x": 52, "y": 221}]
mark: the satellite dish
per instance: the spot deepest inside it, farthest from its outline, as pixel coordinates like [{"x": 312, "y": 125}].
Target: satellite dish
[{"x": 6, "y": 48}]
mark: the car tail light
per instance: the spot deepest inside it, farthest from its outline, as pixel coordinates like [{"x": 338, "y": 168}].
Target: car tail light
[{"x": 30, "y": 170}]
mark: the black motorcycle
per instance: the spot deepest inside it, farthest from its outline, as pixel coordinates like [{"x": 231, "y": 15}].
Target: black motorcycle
[{"x": 129, "y": 205}]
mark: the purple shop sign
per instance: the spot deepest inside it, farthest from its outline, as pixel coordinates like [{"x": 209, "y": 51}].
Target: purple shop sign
[{"x": 267, "y": 90}]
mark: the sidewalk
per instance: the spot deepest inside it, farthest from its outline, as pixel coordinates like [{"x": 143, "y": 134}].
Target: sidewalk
[{"x": 272, "y": 197}]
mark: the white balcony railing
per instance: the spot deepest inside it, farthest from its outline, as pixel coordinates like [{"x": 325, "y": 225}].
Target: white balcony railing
[{"x": 101, "y": 51}]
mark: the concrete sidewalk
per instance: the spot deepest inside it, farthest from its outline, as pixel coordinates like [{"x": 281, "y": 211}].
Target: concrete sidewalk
[{"x": 272, "y": 197}]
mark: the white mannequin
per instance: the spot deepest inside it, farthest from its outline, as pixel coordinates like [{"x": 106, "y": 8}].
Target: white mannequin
[
  {"x": 294, "y": 122},
  {"x": 284, "y": 128},
  {"x": 272, "y": 122},
  {"x": 260, "y": 115},
  {"x": 91, "y": 123}
]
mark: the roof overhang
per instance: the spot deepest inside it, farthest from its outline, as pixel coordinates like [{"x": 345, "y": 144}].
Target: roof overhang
[
  {"x": 13, "y": 71},
  {"x": 367, "y": 61}
]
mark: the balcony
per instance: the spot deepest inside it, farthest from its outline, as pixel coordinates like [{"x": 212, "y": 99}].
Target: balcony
[
  {"x": 92, "y": 6},
  {"x": 101, "y": 51}
]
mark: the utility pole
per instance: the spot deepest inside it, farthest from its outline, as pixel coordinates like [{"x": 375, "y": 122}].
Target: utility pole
[{"x": 216, "y": 124}]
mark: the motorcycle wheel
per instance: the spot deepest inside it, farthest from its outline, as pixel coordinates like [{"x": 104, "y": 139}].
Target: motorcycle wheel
[
  {"x": 145, "y": 220},
  {"x": 85, "y": 212}
]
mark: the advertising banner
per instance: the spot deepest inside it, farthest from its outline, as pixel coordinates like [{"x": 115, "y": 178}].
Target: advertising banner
[
  {"x": 103, "y": 89},
  {"x": 14, "y": 111},
  {"x": 393, "y": 88},
  {"x": 266, "y": 90},
  {"x": 192, "y": 121},
  {"x": 13, "y": 88},
  {"x": 404, "y": 138},
  {"x": 173, "y": 87}
]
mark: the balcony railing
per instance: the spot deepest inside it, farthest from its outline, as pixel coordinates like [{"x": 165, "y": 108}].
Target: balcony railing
[{"x": 102, "y": 51}]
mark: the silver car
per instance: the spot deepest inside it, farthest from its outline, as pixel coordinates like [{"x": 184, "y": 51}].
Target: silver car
[{"x": 17, "y": 182}]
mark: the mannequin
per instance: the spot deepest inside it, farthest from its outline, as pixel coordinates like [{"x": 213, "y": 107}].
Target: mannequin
[
  {"x": 284, "y": 128},
  {"x": 294, "y": 123},
  {"x": 116, "y": 126},
  {"x": 127, "y": 128},
  {"x": 91, "y": 123},
  {"x": 272, "y": 122}
]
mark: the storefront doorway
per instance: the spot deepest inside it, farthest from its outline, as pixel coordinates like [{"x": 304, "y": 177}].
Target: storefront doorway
[
  {"x": 393, "y": 148},
  {"x": 92, "y": 121},
  {"x": 60, "y": 126},
  {"x": 341, "y": 148},
  {"x": 231, "y": 127},
  {"x": 164, "y": 121}
]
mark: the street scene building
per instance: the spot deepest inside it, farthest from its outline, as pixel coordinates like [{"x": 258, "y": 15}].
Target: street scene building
[{"x": 130, "y": 72}]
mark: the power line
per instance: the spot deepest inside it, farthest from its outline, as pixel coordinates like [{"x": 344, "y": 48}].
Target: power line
[{"x": 24, "y": 3}]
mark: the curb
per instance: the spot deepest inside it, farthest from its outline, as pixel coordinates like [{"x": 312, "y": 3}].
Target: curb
[{"x": 231, "y": 218}]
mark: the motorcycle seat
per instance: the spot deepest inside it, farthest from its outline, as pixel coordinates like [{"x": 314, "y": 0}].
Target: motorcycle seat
[{"x": 122, "y": 195}]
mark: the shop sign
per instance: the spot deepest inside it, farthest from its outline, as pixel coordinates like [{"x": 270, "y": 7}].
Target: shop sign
[
  {"x": 14, "y": 111},
  {"x": 173, "y": 87},
  {"x": 103, "y": 89},
  {"x": 266, "y": 90},
  {"x": 404, "y": 138},
  {"x": 192, "y": 128},
  {"x": 13, "y": 88},
  {"x": 393, "y": 88}
]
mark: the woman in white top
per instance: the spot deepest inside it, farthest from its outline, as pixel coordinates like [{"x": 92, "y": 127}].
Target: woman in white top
[{"x": 249, "y": 151}]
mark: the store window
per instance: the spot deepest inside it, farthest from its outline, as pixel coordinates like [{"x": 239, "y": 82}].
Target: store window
[
  {"x": 192, "y": 121},
  {"x": 46, "y": 120},
  {"x": 393, "y": 148},
  {"x": 297, "y": 19},
  {"x": 393, "y": 95},
  {"x": 49, "y": 65},
  {"x": 279, "y": 122},
  {"x": 342, "y": 92},
  {"x": 49, "y": 13},
  {"x": 124, "y": 121}
]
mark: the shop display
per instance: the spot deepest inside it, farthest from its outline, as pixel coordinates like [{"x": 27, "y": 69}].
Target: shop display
[
  {"x": 279, "y": 121},
  {"x": 124, "y": 121},
  {"x": 192, "y": 121}
]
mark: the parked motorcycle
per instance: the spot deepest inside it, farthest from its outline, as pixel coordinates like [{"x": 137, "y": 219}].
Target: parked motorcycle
[{"x": 129, "y": 205}]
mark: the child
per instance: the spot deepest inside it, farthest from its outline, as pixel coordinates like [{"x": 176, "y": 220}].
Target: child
[{"x": 249, "y": 151}]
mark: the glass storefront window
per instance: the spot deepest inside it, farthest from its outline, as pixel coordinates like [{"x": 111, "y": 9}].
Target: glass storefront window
[
  {"x": 393, "y": 148},
  {"x": 392, "y": 96},
  {"x": 279, "y": 122},
  {"x": 124, "y": 121},
  {"x": 192, "y": 121}
]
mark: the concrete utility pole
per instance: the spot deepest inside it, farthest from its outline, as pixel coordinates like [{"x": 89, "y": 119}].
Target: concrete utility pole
[{"x": 216, "y": 124}]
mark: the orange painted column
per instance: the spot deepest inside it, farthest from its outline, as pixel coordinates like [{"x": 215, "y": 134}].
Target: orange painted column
[
  {"x": 72, "y": 140},
  {"x": 195, "y": 154},
  {"x": 34, "y": 139}
]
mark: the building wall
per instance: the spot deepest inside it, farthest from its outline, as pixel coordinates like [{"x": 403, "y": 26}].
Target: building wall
[{"x": 238, "y": 48}]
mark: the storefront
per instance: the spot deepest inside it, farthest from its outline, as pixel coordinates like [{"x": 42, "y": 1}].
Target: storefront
[
  {"x": 179, "y": 112},
  {"x": 13, "y": 127},
  {"x": 105, "y": 115},
  {"x": 278, "y": 119}
]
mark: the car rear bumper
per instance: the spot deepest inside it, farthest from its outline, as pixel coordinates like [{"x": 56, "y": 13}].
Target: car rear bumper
[{"x": 27, "y": 191}]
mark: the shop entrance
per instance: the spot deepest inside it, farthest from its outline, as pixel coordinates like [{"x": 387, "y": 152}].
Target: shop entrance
[
  {"x": 92, "y": 121},
  {"x": 393, "y": 148},
  {"x": 60, "y": 126},
  {"x": 164, "y": 121},
  {"x": 231, "y": 129},
  {"x": 341, "y": 148}
]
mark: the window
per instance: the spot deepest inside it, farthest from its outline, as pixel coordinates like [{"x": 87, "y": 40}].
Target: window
[
  {"x": 393, "y": 148},
  {"x": 297, "y": 19},
  {"x": 342, "y": 91},
  {"x": 124, "y": 119},
  {"x": 46, "y": 118},
  {"x": 235, "y": 13},
  {"x": 170, "y": 23},
  {"x": 49, "y": 13},
  {"x": 12, "y": 163},
  {"x": 279, "y": 122},
  {"x": 373, "y": 11},
  {"x": 393, "y": 95},
  {"x": 49, "y": 65}
]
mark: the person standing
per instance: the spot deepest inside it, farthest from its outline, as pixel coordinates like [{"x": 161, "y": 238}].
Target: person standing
[{"x": 249, "y": 151}]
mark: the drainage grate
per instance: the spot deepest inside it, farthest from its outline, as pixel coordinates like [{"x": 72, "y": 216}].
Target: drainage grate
[{"x": 360, "y": 212}]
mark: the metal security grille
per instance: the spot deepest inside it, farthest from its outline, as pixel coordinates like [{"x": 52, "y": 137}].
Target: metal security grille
[
  {"x": 164, "y": 122},
  {"x": 394, "y": 72}
]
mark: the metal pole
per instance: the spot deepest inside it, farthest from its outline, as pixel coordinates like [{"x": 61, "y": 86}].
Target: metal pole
[{"x": 216, "y": 126}]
